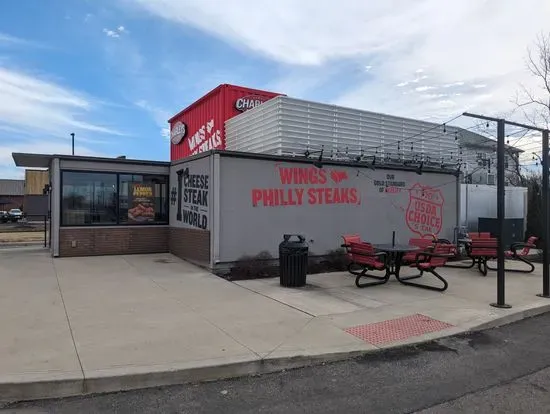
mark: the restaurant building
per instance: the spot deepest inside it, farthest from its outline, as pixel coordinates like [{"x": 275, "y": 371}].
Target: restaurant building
[{"x": 247, "y": 166}]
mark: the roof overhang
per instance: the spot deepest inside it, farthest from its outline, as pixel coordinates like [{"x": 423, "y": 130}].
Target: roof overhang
[
  {"x": 44, "y": 160},
  {"x": 32, "y": 160}
]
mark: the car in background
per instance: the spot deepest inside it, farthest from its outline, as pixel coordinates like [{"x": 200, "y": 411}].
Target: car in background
[
  {"x": 15, "y": 214},
  {"x": 4, "y": 216}
]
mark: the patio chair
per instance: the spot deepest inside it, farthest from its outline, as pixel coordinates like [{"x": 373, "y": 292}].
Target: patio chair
[
  {"x": 482, "y": 235},
  {"x": 429, "y": 261},
  {"x": 521, "y": 255},
  {"x": 363, "y": 258},
  {"x": 422, "y": 244},
  {"x": 481, "y": 251}
]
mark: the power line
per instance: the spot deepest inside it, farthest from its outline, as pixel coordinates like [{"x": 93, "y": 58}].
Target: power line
[
  {"x": 444, "y": 124},
  {"x": 398, "y": 142},
  {"x": 422, "y": 141}
]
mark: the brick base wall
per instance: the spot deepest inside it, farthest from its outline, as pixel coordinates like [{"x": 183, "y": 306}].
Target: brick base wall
[
  {"x": 96, "y": 241},
  {"x": 190, "y": 244}
]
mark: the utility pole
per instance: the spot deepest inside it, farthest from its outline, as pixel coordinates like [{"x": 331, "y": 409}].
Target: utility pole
[
  {"x": 545, "y": 221},
  {"x": 72, "y": 139},
  {"x": 501, "y": 123},
  {"x": 501, "y": 214}
]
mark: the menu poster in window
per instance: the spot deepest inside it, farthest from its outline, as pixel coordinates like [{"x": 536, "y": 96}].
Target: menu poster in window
[{"x": 143, "y": 204}]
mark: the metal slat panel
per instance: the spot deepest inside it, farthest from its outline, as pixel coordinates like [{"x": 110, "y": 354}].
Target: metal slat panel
[{"x": 289, "y": 125}]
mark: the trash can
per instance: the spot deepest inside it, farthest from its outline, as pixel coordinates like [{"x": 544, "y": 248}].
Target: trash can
[{"x": 293, "y": 255}]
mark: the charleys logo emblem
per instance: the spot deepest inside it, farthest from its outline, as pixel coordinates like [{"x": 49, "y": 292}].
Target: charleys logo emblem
[
  {"x": 178, "y": 132},
  {"x": 248, "y": 102}
]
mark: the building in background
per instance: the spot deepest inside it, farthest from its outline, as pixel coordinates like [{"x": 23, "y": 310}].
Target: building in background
[
  {"x": 480, "y": 159},
  {"x": 35, "y": 202},
  {"x": 11, "y": 194}
]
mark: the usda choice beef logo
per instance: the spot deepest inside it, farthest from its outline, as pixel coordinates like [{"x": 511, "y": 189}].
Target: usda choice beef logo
[
  {"x": 249, "y": 102},
  {"x": 178, "y": 132}
]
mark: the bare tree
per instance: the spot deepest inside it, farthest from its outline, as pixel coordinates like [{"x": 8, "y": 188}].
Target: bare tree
[{"x": 535, "y": 102}]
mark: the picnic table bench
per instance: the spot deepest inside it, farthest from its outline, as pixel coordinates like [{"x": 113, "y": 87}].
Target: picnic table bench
[
  {"x": 422, "y": 244},
  {"x": 482, "y": 250},
  {"x": 365, "y": 257},
  {"x": 429, "y": 261},
  {"x": 519, "y": 251}
]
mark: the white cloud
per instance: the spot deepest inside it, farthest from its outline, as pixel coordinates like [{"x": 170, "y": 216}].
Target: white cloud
[
  {"x": 111, "y": 33},
  {"x": 424, "y": 88},
  {"x": 451, "y": 85},
  {"x": 115, "y": 33},
  {"x": 456, "y": 43},
  {"x": 33, "y": 104},
  {"x": 160, "y": 116},
  {"x": 37, "y": 115},
  {"x": 8, "y": 40},
  {"x": 5, "y": 38}
]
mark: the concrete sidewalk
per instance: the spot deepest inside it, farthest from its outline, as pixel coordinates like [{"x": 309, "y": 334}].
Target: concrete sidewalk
[{"x": 85, "y": 325}]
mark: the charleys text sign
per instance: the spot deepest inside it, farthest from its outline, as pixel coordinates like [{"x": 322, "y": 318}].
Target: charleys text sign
[
  {"x": 249, "y": 102},
  {"x": 192, "y": 198},
  {"x": 306, "y": 186}
]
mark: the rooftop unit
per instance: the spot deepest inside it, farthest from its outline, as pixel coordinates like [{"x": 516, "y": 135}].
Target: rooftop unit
[{"x": 289, "y": 126}]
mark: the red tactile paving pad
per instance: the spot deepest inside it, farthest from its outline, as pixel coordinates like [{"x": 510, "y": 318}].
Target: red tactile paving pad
[{"x": 393, "y": 330}]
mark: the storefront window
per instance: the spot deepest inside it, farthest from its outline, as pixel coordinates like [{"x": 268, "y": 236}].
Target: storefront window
[
  {"x": 143, "y": 199},
  {"x": 89, "y": 198},
  {"x": 110, "y": 199}
]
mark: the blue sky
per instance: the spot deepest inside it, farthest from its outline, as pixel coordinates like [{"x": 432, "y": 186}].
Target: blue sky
[{"x": 114, "y": 71}]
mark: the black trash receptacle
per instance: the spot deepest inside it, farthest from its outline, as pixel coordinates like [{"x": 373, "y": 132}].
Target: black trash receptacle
[{"x": 293, "y": 255}]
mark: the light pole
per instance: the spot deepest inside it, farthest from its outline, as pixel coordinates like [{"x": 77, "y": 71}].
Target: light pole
[
  {"x": 72, "y": 139},
  {"x": 545, "y": 217},
  {"x": 501, "y": 123}
]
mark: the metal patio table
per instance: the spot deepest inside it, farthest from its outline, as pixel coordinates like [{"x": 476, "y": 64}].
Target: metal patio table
[{"x": 394, "y": 258}]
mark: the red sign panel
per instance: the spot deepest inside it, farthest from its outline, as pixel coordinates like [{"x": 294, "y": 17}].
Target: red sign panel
[
  {"x": 424, "y": 215},
  {"x": 201, "y": 126}
]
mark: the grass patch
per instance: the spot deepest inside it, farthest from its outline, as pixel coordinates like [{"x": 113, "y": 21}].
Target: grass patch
[
  {"x": 22, "y": 237},
  {"x": 20, "y": 228}
]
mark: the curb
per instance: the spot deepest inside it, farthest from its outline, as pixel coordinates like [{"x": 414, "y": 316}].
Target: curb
[
  {"x": 513, "y": 317},
  {"x": 14, "y": 391}
]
